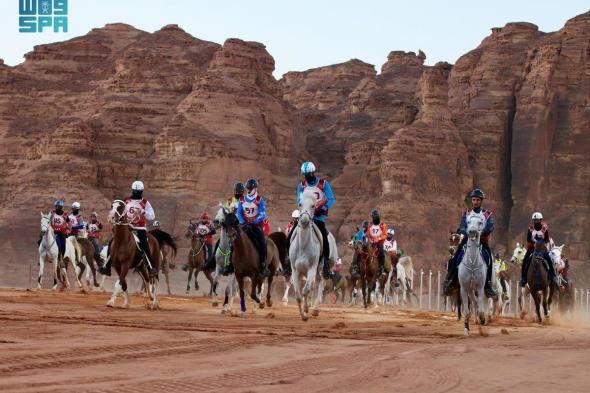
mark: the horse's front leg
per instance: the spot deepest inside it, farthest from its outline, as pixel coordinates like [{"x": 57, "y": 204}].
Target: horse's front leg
[
  {"x": 308, "y": 287},
  {"x": 319, "y": 297},
  {"x": 296, "y": 281},
  {"x": 364, "y": 289},
  {"x": 41, "y": 267},
  {"x": 242, "y": 295},
  {"x": 116, "y": 291},
  {"x": 214, "y": 284},
  {"x": 481, "y": 308},
  {"x": 269, "y": 292},
  {"x": 286, "y": 294},
  {"x": 188, "y": 281}
]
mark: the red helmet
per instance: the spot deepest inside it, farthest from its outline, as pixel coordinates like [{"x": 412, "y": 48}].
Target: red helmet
[{"x": 205, "y": 216}]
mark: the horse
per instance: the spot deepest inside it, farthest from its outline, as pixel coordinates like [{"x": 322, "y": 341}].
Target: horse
[
  {"x": 86, "y": 258},
  {"x": 49, "y": 252},
  {"x": 518, "y": 254},
  {"x": 472, "y": 272},
  {"x": 404, "y": 271},
  {"x": 538, "y": 284},
  {"x": 304, "y": 255},
  {"x": 245, "y": 260},
  {"x": 196, "y": 255},
  {"x": 565, "y": 294},
  {"x": 368, "y": 255},
  {"x": 166, "y": 266},
  {"x": 125, "y": 255},
  {"x": 339, "y": 287}
]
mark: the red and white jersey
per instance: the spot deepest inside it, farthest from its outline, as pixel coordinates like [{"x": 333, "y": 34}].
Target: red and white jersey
[
  {"x": 390, "y": 246},
  {"x": 75, "y": 219},
  {"x": 138, "y": 211},
  {"x": 377, "y": 233},
  {"x": 59, "y": 222},
  {"x": 93, "y": 229},
  {"x": 251, "y": 208}
]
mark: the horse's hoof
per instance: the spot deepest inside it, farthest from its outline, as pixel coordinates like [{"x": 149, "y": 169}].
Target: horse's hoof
[
  {"x": 96, "y": 285},
  {"x": 110, "y": 304},
  {"x": 214, "y": 303},
  {"x": 315, "y": 312},
  {"x": 125, "y": 306},
  {"x": 466, "y": 332},
  {"x": 304, "y": 318},
  {"x": 522, "y": 314},
  {"x": 269, "y": 303}
]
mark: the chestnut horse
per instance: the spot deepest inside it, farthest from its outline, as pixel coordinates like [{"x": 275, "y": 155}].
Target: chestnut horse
[
  {"x": 538, "y": 283},
  {"x": 124, "y": 254},
  {"x": 196, "y": 256},
  {"x": 369, "y": 266}
]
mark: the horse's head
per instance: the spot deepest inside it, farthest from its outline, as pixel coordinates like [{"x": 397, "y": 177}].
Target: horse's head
[
  {"x": 540, "y": 246},
  {"x": 454, "y": 240},
  {"x": 307, "y": 208},
  {"x": 475, "y": 226},
  {"x": 117, "y": 214},
  {"x": 518, "y": 254},
  {"x": 228, "y": 221},
  {"x": 191, "y": 229},
  {"x": 555, "y": 255},
  {"x": 45, "y": 223}
]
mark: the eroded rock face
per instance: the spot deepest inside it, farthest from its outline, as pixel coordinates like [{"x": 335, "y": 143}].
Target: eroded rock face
[{"x": 82, "y": 119}]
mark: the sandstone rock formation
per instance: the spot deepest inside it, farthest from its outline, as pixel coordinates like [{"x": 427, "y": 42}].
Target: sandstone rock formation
[{"x": 81, "y": 119}]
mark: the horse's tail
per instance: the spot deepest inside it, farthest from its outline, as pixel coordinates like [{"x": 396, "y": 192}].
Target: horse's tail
[
  {"x": 282, "y": 243},
  {"x": 164, "y": 238}
]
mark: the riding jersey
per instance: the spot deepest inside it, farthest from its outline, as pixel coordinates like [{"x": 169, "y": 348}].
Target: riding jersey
[
  {"x": 232, "y": 204},
  {"x": 488, "y": 223},
  {"x": 390, "y": 246},
  {"x": 93, "y": 229},
  {"x": 76, "y": 223},
  {"x": 138, "y": 211},
  {"x": 289, "y": 226},
  {"x": 324, "y": 197},
  {"x": 252, "y": 210},
  {"x": 59, "y": 222},
  {"x": 377, "y": 233},
  {"x": 542, "y": 234},
  {"x": 500, "y": 265},
  {"x": 206, "y": 230}
]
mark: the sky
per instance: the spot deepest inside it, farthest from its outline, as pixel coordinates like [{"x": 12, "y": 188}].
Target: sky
[{"x": 306, "y": 34}]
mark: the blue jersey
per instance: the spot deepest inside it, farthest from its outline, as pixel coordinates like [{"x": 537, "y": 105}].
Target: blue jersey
[{"x": 324, "y": 196}]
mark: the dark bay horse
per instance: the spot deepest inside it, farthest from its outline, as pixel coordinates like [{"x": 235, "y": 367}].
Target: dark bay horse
[
  {"x": 124, "y": 254},
  {"x": 369, "y": 267},
  {"x": 245, "y": 260},
  {"x": 196, "y": 257},
  {"x": 538, "y": 283}
]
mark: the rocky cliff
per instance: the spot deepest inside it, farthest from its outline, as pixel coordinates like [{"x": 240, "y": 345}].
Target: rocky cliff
[{"x": 82, "y": 119}]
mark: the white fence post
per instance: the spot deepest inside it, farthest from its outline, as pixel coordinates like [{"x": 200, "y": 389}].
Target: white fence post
[
  {"x": 421, "y": 278},
  {"x": 438, "y": 291},
  {"x": 429, "y": 289},
  {"x": 575, "y": 298},
  {"x": 587, "y": 298}
]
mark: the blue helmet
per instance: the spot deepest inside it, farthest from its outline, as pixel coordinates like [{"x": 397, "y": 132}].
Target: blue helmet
[
  {"x": 307, "y": 168},
  {"x": 59, "y": 203},
  {"x": 477, "y": 193}
]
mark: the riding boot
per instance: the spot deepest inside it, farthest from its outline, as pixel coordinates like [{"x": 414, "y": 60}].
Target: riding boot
[
  {"x": 451, "y": 279},
  {"x": 326, "y": 272},
  {"x": 488, "y": 288},
  {"x": 552, "y": 274},
  {"x": 151, "y": 269},
  {"x": 105, "y": 270},
  {"x": 524, "y": 271}
]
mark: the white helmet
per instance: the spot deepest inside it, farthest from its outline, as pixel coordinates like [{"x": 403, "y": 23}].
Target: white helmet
[
  {"x": 76, "y": 205},
  {"x": 307, "y": 167},
  {"x": 295, "y": 214},
  {"x": 137, "y": 185},
  {"x": 537, "y": 216}
]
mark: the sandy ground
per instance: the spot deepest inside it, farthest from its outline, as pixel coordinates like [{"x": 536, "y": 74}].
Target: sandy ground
[{"x": 71, "y": 342}]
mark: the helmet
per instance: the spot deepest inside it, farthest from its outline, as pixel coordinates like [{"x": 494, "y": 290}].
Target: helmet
[
  {"x": 295, "y": 214},
  {"x": 137, "y": 185},
  {"x": 59, "y": 203},
  {"x": 205, "y": 216},
  {"x": 156, "y": 224},
  {"x": 93, "y": 214},
  {"x": 239, "y": 188},
  {"x": 390, "y": 232},
  {"x": 537, "y": 216},
  {"x": 307, "y": 167},
  {"x": 374, "y": 213},
  {"x": 477, "y": 193},
  {"x": 76, "y": 205},
  {"x": 251, "y": 184}
]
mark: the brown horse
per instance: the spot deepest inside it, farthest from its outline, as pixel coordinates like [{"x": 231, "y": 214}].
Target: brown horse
[
  {"x": 124, "y": 254},
  {"x": 245, "y": 260},
  {"x": 538, "y": 283},
  {"x": 88, "y": 252},
  {"x": 282, "y": 243},
  {"x": 369, "y": 266},
  {"x": 455, "y": 297},
  {"x": 338, "y": 285},
  {"x": 196, "y": 257}
]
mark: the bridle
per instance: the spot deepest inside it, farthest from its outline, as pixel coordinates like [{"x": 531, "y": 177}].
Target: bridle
[{"x": 118, "y": 218}]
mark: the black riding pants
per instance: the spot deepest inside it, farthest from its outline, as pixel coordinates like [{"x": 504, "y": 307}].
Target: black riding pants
[{"x": 142, "y": 235}]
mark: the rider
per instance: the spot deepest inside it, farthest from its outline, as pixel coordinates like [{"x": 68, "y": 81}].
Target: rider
[
  {"x": 251, "y": 214},
  {"x": 59, "y": 223},
  {"x": 208, "y": 231},
  {"x": 232, "y": 203},
  {"x": 94, "y": 227},
  {"x": 477, "y": 197},
  {"x": 500, "y": 267},
  {"x": 390, "y": 244},
  {"x": 138, "y": 211},
  {"x": 324, "y": 201},
  {"x": 76, "y": 220},
  {"x": 293, "y": 222},
  {"x": 538, "y": 231},
  {"x": 377, "y": 233}
]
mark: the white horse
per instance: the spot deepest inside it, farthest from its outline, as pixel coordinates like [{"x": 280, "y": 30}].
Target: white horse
[
  {"x": 333, "y": 259},
  {"x": 404, "y": 271},
  {"x": 304, "y": 254},
  {"x": 222, "y": 258},
  {"x": 472, "y": 272},
  {"x": 72, "y": 255},
  {"x": 498, "y": 305},
  {"x": 48, "y": 251}
]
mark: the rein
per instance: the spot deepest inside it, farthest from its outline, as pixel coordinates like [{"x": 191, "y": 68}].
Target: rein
[{"x": 195, "y": 253}]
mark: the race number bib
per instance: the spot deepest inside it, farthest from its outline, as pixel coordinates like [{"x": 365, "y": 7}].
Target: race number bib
[
  {"x": 92, "y": 228},
  {"x": 133, "y": 211},
  {"x": 376, "y": 232},
  {"x": 250, "y": 209},
  {"x": 202, "y": 230},
  {"x": 58, "y": 220}
]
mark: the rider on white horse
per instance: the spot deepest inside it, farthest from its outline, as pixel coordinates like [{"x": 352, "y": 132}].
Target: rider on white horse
[
  {"x": 500, "y": 267},
  {"x": 477, "y": 197},
  {"x": 252, "y": 214},
  {"x": 138, "y": 210},
  {"x": 324, "y": 201},
  {"x": 59, "y": 223},
  {"x": 538, "y": 230}
]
